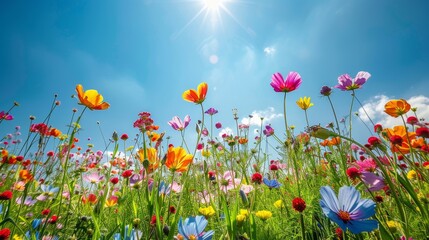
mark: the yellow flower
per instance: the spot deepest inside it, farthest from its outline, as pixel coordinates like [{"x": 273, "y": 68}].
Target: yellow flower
[
  {"x": 393, "y": 226},
  {"x": 207, "y": 211},
  {"x": 304, "y": 103},
  {"x": 91, "y": 99},
  {"x": 264, "y": 215},
  {"x": 206, "y": 153},
  {"x": 17, "y": 237},
  {"x": 240, "y": 218},
  {"x": 396, "y": 108},
  {"x": 279, "y": 204},
  {"x": 151, "y": 157},
  {"x": 244, "y": 212},
  {"x": 412, "y": 174},
  {"x": 422, "y": 197}
]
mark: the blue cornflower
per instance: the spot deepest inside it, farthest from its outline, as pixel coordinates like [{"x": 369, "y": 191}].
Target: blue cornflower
[
  {"x": 193, "y": 228},
  {"x": 273, "y": 183},
  {"x": 348, "y": 210},
  {"x": 128, "y": 234}
]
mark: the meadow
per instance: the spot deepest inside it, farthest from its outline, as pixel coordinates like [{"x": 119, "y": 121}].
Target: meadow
[{"x": 323, "y": 185}]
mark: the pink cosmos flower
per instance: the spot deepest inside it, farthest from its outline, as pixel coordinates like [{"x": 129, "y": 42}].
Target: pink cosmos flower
[
  {"x": 228, "y": 181},
  {"x": 93, "y": 177},
  {"x": 5, "y": 116},
  {"x": 346, "y": 83},
  {"x": 205, "y": 197},
  {"x": 367, "y": 165},
  {"x": 177, "y": 123},
  {"x": 246, "y": 188},
  {"x": 292, "y": 82}
]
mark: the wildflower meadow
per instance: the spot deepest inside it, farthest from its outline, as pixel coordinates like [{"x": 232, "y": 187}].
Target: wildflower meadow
[{"x": 323, "y": 184}]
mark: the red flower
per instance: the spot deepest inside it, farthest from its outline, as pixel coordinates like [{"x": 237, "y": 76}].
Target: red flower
[
  {"x": 257, "y": 178},
  {"x": 378, "y": 128},
  {"x": 114, "y": 180},
  {"x": 422, "y": 132},
  {"x": 4, "y": 234},
  {"x": 339, "y": 233},
  {"x": 153, "y": 220},
  {"x": 353, "y": 173},
  {"x": 374, "y": 140},
  {"x": 53, "y": 219},
  {"x": 46, "y": 211},
  {"x": 124, "y": 136},
  {"x": 298, "y": 204},
  {"x": 396, "y": 140},
  {"x": 274, "y": 167},
  {"x": 412, "y": 120},
  {"x": 6, "y": 195},
  {"x": 172, "y": 209},
  {"x": 127, "y": 173}
]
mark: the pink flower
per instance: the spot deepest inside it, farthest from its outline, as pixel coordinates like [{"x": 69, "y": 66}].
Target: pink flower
[
  {"x": 205, "y": 197},
  {"x": 292, "y": 82},
  {"x": 228, "y": 181},
  {"x": 367, "y": 165},
  {"x": 93, "y": 177},
  {"x": 346, "y": 83},
  {"x": 5, "y": 116},
  {"x": 177, "y": 123},
  {"x": 246, "y": 188}
]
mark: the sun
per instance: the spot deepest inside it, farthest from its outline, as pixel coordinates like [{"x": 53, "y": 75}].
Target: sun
[{"x": 213, "y": 5}]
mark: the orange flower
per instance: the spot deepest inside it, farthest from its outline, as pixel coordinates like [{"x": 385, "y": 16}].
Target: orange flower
[
  {"x": 178, "y": 159},
  {"x": 331, "y": 142},
  {"x": 198, "y": 96},
  {"x": 151, "y": 156},
  {"x": 91, "y": 98},
  {"x": 25, "y": 175},
  {"x": 396, "y": 108},
  {"x": 400, "y": 131},
  {"x": 153, "y": 136}
]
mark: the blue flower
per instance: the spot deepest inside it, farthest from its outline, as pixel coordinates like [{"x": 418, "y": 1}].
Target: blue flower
[
  {"x": 128, "y": 234},
  {"x": 273, "y": 183},
  {"x": 193, "y": 228},
  {"x": 348, "y": 210}
]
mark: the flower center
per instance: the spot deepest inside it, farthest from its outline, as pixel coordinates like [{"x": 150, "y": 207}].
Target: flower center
[
  {"x": 192, "y": 237},
  {"x": 345, "y": 216}
]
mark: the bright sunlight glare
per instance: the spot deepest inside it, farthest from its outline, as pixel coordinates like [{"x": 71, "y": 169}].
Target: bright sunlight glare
[{"x": 213, "y": 5}]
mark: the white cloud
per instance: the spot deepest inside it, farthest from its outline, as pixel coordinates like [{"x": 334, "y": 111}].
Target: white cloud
[
  {"x": 227, "y": 131},
  {"x": 375, "y": 110},
  {"x": 269, "y": 51},
  {"x": 268, "y": 115}
]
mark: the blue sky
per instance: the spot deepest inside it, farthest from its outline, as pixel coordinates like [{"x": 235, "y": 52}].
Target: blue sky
[{"x": 142, "y": 55}]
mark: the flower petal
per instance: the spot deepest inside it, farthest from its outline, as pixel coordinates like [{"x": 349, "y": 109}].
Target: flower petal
[
  {"x": 362, "y": 226},
  {"x": 329, "y": 199}
]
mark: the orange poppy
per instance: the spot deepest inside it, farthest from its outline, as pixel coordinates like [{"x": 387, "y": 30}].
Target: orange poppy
[
  {"x": 91, "y": 99},
  {"x": 396, "y": 108},
  {"x": 198, "y": 96},
  {"x": 331, "y": 142},
  {"x": 151, "y": 156},
  {"x": 404, "y": 146},
  {"x": 25, "y": 175},
  {"x": 178, "y": 159}
]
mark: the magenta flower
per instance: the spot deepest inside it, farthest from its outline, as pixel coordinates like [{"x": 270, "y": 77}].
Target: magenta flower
[
  {"x": 346, "y": 83},
  {"x": 5, "y": 116},
  {"x": 211, "y": 111},
  {"x": 268, "y": 131},
  {"x": 293, "y": 81},
  {"x": 177, "y": 123}
]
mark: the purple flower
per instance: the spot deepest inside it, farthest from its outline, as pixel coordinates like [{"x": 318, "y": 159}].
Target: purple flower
[
  {"x": 177, "y": 123},
  {"x": 374, "y": 182},
  {"x": 326, "y": 91},
  {"x": 292, "y": 82},
  {"x": 268, "y": 131},
  {"x": 346, "y": 83},
  {"x": 211, "y": 111},
  {"x": 348, "y": 210}
]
